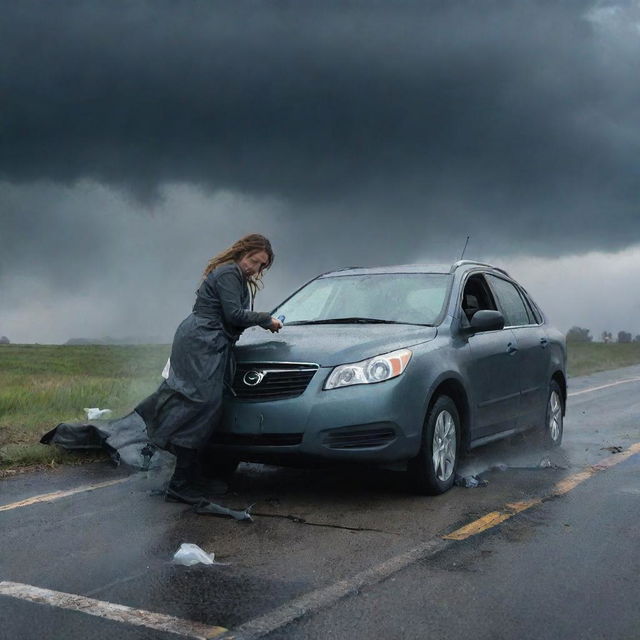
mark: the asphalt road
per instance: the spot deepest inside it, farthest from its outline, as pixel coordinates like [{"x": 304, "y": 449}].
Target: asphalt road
[{"x": 545, "y": 551}]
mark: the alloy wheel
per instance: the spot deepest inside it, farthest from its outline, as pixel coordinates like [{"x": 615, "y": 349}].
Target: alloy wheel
[
  {"x": 555, "y": 416},
  {"x": 444, "y": 446}
]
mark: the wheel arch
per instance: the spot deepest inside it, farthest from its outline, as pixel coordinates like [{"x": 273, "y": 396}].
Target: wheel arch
[
  {"x": 453, "y": 387},
  {"x": 560, "y": 379}
]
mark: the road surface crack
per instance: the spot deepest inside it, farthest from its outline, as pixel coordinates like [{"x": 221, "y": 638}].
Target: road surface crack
[{"x": 299, "y": 520}]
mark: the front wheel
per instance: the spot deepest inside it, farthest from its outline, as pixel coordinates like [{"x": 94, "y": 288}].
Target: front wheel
[
  {"x": 432, "y": 471},
  {"x": 554, "y": 424}
]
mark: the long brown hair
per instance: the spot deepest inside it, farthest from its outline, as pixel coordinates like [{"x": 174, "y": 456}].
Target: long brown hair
[{"x": 249, "y": 244}]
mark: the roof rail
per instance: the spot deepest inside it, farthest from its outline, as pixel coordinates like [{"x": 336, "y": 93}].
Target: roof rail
[{"x": 461, "y": 263}]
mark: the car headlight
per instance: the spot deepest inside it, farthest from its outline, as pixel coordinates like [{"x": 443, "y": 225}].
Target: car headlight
[{"x": 376, "y": 369}]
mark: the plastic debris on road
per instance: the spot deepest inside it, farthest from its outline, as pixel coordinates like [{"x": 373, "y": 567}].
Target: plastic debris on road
[
  {"x": 212, "y": 509},
  {"x": 93, "y": 413},
  {"x": 544, "y": 463},
  {"x": 189, "y": 554},
  {"x": 470, "y": 482},
  {"x": 613, "y": 449}
]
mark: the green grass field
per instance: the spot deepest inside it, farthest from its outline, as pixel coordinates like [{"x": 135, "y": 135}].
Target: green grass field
[
  {"x": 589, "y": 357},
  {"x": 42, "y": 385}
]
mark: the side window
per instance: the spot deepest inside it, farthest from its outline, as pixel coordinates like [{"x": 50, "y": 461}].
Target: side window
[
  {"x": 534, "y": 312},
  {"x": 509, "y": 299},
  {"x": 476, "y": 296}
]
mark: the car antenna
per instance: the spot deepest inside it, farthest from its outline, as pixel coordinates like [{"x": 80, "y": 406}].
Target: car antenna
[{"x": 465, "y": 247}]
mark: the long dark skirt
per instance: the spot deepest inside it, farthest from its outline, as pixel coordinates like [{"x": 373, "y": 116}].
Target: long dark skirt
[
  {"x": 187, "y": 406},
  {"x": 172, "y": 418}
]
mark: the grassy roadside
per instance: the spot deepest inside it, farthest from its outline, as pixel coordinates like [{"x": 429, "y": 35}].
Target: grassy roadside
[
  {"x": 590, "y": 357},
  {"x": 42, "y": 385}
]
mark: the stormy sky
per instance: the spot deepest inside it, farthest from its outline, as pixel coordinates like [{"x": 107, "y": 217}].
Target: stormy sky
[{"x": 138, "y": 139}]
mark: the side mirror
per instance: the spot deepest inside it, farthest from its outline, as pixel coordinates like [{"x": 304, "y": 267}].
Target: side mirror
[{"x": 486, "y": 320}]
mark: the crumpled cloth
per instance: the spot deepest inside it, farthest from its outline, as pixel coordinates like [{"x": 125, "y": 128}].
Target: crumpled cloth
[{"x": 125, "y": 439}]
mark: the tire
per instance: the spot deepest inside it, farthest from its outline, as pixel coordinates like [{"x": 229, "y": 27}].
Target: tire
[
  {"x": 554, "y": 423},
  {"x": 433, "y": 470}
]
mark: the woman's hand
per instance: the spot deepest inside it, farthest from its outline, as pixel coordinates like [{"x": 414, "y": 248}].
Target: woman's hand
[{"x": 275, "y": 325}]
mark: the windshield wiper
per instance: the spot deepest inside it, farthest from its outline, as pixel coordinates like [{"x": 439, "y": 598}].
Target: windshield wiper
[{"x": 354, "y": 320}]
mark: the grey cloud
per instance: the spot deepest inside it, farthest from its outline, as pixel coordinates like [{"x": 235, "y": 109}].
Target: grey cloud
[
  {"x": 460, "y": 116},
  {"x": 88, "y": 261}
]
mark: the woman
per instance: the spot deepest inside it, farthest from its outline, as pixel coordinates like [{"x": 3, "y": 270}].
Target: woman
[{"x": 181, "y": 415}]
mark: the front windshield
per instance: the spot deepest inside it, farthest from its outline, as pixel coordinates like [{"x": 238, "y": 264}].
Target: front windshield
[{"x": 411, "y": 298}]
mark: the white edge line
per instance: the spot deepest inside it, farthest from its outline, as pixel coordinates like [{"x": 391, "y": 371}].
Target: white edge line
[
  {"x": 604, "y": 386},
  {"x": 110, "y": 611},
  {"x": 57, "y": 495}
]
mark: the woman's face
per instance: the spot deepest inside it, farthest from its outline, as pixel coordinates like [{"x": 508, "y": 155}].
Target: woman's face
[{"x": 253, "y": 263}]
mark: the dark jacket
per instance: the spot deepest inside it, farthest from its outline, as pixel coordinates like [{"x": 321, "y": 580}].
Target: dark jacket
[
  {"x": 202, "y": 344},
  {"x": 224, "y": 298}
]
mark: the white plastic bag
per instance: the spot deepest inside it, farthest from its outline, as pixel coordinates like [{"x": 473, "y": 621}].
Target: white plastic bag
[
  {"x": 189, "y": 554},
  {"x": 95, "y": 414}
]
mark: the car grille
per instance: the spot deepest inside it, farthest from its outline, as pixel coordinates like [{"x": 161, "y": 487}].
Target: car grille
[
  {"x": 350, "y": 438},
  {"x": 272, "y": 381},
  {"x": 259, "y": 439}
]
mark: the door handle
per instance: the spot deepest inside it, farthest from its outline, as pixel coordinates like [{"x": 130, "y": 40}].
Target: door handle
[
  {"x": 544, "y": 342},
  {"x": 511, "y": 349}
]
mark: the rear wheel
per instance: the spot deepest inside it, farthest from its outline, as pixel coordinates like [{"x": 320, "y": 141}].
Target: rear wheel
[
  {"x": 432, "y": 471},
  {"x": 554, "y": 424}
]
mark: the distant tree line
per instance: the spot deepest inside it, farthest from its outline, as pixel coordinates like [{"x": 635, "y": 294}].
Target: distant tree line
[
  {"x": 4, "y": 340},
  {"x": 581, "y": 334}
]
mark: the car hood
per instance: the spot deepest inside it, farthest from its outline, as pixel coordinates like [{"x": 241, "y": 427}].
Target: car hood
[{"x": 328, "y": 344}]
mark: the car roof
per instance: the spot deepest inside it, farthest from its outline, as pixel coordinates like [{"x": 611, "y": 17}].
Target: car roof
[{"x": 465, "y": 265}]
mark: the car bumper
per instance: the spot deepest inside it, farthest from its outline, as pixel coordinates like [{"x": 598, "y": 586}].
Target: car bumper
[{"x": 375, "y": 423}]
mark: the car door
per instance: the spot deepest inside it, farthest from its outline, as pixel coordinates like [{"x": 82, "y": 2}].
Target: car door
[
  {"x": 532, "y": 346},
  {"x": 493, "y": 366},
  {"x": 538, "y": 375}
]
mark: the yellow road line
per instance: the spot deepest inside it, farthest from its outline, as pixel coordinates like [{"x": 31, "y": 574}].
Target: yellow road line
[
  {"x": 111, "y": 611},
  {"x": 56, "y": 495},
  {"x": 478, "y": 526},
  {"x": 603, "y": 386},
  {"x": 494, "y": 518}
]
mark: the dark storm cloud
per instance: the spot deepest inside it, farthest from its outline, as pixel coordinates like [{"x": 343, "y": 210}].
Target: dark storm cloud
[{"x": 518, "y": 117}]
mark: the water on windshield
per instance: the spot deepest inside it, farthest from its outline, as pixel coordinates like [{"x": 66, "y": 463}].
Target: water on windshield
[{"x": 415, "y": 298}]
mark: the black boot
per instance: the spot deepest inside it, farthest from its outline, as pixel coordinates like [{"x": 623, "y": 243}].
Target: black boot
[
  {"x": 207, "y": 480},
  {"x": 182, "y": 487},
  {"x": 211, "y": 486}
]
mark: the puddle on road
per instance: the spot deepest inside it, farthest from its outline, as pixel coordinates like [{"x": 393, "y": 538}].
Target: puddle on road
[{"x": 216, "y": 595}]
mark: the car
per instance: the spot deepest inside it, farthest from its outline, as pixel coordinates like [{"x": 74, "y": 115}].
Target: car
[{"x": 408, "y": 365}]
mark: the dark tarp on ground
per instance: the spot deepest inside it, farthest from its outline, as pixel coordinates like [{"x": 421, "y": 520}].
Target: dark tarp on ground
[{"x": 125, "y": 439}]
